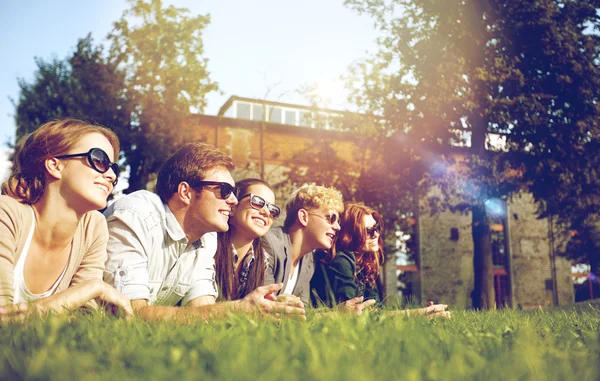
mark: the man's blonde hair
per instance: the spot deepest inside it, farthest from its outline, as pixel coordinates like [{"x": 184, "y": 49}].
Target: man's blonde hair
[{"x": 311, "y": 196}]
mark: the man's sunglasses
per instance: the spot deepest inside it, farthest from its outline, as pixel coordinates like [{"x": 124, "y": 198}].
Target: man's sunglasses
[
  {"x": 330, "y": 218},
  {"x": 373, "y": 229},
  {"x": 225, "y": 189},
  {"x": 257, "y": 202},
  {"x": 98, "y": 160}
]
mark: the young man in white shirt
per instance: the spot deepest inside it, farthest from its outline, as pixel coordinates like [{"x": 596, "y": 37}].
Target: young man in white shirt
[{"x": 161, "y": 246}]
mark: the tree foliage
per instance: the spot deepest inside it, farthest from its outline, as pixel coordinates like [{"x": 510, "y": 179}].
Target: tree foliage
[
  {"x": 83, "y": 85},
  {"x": 468, "y": 71},
  {"x": 161, "y": 50},
  {"x": 152, "y": 79}
]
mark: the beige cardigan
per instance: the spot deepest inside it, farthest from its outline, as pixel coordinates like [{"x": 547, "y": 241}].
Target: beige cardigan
[{"x": 88, "y": 253}]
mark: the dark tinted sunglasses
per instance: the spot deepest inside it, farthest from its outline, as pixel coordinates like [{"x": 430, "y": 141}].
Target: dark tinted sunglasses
[
  {"x": 98, "y": 160},
  {"x": 225, "y": 189},
  {"x": 373, "y": 229},
  {"x": 257, "y": 202},
  {"x": 331, "y": 218}
]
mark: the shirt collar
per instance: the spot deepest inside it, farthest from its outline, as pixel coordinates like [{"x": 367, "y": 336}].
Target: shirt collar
[
  {"x": 175, "y": 231},
  {"x": 235, "y": 253}
]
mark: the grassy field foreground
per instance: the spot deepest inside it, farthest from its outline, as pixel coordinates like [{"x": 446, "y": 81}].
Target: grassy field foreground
[{"x": 495, "y": 345}]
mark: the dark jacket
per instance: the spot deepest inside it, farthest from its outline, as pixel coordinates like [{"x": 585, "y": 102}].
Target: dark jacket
[{"x": 336, "y": 282}]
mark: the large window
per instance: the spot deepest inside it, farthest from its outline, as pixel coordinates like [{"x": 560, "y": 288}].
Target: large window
[
  {"x": 290, "y": 117},
  {"x": 243, "y": 110},
  {"x": 257, "y": 112},
  {"x": 275, "y": 114},
  {"x": 284, "y": 115}
]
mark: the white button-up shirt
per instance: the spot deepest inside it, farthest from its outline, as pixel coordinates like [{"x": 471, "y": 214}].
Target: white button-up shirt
[{"x": 149, "y": 256}]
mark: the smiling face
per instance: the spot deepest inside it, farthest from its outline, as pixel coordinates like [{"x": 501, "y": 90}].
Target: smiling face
[
  {"x": 247, "y": 220},
  {"x": 209, "y": 212},
  {"x": 84, "y": 188},
  {"x": 371, "y": 244},
  {"x": 319, "y": 230}
]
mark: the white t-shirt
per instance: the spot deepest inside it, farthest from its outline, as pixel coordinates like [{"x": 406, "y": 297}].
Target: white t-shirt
[
  {"x": 22, "y": 293},
  {"x": 289, "y": 287}
]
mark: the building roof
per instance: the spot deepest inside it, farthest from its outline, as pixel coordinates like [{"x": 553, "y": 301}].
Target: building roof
[{"x": 234, "y": 98}]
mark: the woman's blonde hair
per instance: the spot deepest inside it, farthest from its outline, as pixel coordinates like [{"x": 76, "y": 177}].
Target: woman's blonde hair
[{"x": 27, "y": 179}]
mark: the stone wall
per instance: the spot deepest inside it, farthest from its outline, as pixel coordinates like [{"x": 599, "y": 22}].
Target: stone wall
[
  {"x": 446, "y": 265},
  {"x": 530, "y": 258}
]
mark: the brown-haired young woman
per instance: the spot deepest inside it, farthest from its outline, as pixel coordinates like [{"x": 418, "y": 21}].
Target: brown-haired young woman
[
  {"x": 53, "y": 245},
  {"x": 353, "y": 268},
  {"x": 240, "y": 260}
]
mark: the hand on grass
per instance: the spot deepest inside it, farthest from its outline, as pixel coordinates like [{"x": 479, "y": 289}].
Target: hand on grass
[
  {"x": 114, "y": 299},
  {"x": 431, "y": 311},
  {"x": 264, "y": 300},
  {"x": 356, "y": 305},
  {"x": 13, "y": 313},
  {"x": 291, "y": 300}
]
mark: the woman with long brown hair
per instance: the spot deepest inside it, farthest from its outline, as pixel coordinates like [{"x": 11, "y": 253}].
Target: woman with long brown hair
[
  {"x": 351, "y": 270},
  {"x": 53, "y": 245},
  {"x": 240, "y": 259}
]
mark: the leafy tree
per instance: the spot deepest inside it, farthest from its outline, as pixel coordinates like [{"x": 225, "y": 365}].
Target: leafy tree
[
  {"x": 459, "y": 71},
  {"x": 161, "y": 50},
  {"x": 83, "y": 86},
  {"x": 145, "y": 89}
]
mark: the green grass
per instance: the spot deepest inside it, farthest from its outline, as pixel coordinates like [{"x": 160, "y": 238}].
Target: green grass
[{"x": 497, "y": 345}]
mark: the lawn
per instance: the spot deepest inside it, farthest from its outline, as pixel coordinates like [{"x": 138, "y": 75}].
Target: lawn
[{"x": 555, "y": 344}]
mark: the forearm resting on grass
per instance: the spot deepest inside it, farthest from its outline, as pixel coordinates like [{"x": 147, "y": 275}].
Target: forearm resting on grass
[
  {"x": 78, "y": 295},
  {"x": 433, "y": 311},
  {"x": 69, "y": 299},
  {"x": 262, "y": 300}
]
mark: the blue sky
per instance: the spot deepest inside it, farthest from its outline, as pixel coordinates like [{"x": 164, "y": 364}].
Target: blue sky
[{"x": 251, "y": 45}]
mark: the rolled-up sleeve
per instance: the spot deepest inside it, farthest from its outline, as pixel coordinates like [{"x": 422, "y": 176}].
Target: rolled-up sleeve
[
  {"x": 204, "y": 276},
  {"x": 127, "y": 264}
]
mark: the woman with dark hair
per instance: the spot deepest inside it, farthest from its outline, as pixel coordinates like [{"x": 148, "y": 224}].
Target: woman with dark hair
[
  {"x": 349, "y": 273},
  {"x": 351, "y": 270},
  {"x": 240, "y": 259},
  {"x": 53, "y": 245}
]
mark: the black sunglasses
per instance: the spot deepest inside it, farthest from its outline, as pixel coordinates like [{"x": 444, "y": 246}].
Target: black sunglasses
[
  {"x": 373, "y": 229},
  {"x": 257, "y": 202},
  {"x": 225, "y": 189},
  {"x": 98, "y": 160},
  {"x": 331, "y": 218}
]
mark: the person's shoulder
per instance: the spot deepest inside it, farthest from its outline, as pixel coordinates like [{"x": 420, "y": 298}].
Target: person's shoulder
[
  {"x": 274, "y": 242},
  {"x": 275, "y": 232},
  {"x": 209, "y": 242},
  {"x": 343, "y": 259},
  {"x": 344, "y": 255},
  {"x": 94, "y": 218},
  {"x": 12, "y": 206},
  {"x": 142, "y": 202},
  {"x": 14, "y": 213}
]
